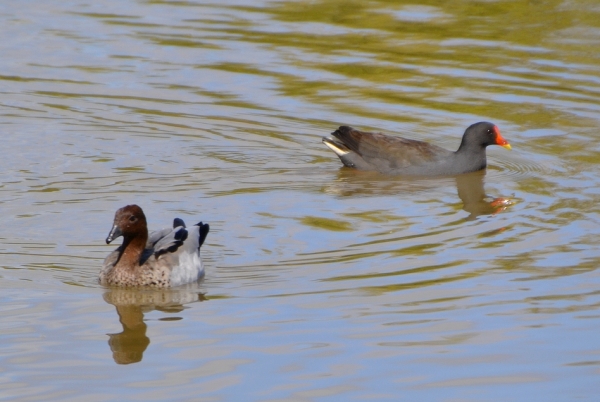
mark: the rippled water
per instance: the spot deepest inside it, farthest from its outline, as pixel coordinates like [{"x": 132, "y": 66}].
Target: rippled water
[{"x": 323, "y": 283}]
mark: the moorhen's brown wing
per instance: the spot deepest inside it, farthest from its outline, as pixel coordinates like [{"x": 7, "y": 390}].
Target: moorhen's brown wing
[{"x": 386, "y": 153}]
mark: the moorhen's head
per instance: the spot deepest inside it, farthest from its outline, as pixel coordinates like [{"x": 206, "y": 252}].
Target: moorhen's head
[{"x": 483, "y": 134}]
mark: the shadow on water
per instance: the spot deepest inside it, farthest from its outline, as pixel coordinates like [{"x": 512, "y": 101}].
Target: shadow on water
[
  {"x": 469, "y": 187},
  {"x": 129, "y": 345}
]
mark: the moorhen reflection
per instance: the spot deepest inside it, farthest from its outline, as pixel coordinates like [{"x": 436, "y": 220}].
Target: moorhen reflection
[
  {"x": 469, "y": 186},
  {"x": 129, "y": 345},
  {"x": 475, "y": 201}
]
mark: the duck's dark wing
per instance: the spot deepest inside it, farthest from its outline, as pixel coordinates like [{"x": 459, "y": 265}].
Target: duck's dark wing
[{"x": 167, "y": 240}]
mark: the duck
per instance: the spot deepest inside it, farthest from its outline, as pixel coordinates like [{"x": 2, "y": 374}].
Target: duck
[
  {"x": 401, "y": 156},
  {"x": 162, "y": 259}
]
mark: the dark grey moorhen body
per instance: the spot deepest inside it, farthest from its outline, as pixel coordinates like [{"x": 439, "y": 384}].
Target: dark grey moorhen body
[{"x": 401, "y": 156}]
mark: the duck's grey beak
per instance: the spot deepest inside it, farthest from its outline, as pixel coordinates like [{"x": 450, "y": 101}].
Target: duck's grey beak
[{"x": 114, "y": 233}]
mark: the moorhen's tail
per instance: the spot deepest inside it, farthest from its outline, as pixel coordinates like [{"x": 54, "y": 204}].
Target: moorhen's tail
[
  {"x": 336, "y": 146},
  {"x": 348, "y": 136},
  {"x": 340, "y": 150},
  {"x": 345, "y": 146}
]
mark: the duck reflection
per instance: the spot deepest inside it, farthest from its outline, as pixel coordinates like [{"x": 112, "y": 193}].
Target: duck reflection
[
  {"x": 469, "y": 186},
  {"x": 129, "y": 345}
]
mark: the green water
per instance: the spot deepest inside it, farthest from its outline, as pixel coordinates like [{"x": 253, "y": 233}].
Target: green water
[{"x": 322, "y": 283}]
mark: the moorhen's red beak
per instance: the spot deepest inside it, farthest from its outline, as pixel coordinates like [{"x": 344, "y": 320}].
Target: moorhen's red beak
[{"x": 501, "y": 141}]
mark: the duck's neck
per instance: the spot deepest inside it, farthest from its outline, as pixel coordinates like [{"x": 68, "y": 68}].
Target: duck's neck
[{"x": 131, "y": 251}]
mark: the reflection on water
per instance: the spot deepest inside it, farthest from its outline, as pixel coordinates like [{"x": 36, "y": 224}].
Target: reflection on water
[
  {"x": 475, "y": 201},
  {"x": 470, "y": 189},
  {"x": 129, "y": 345}
]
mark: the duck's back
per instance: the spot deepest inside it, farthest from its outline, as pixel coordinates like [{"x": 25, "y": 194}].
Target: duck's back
[{"x": 180, "y": 252}]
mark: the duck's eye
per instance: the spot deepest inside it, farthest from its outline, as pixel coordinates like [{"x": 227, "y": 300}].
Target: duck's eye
[{"x": 132, "y": 219}]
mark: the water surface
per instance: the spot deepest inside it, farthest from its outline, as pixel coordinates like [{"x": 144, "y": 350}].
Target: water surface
[{"x": 322, "y": 283}]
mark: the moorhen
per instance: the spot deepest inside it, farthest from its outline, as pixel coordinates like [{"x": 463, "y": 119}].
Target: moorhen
[{"x": 401, "y": 156}]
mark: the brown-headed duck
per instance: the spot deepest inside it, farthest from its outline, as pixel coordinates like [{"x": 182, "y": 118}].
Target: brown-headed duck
[{"x": 166, "y": 258}]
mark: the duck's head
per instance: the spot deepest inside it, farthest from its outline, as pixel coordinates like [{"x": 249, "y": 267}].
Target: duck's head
[{"x": 129, "y": 222}]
